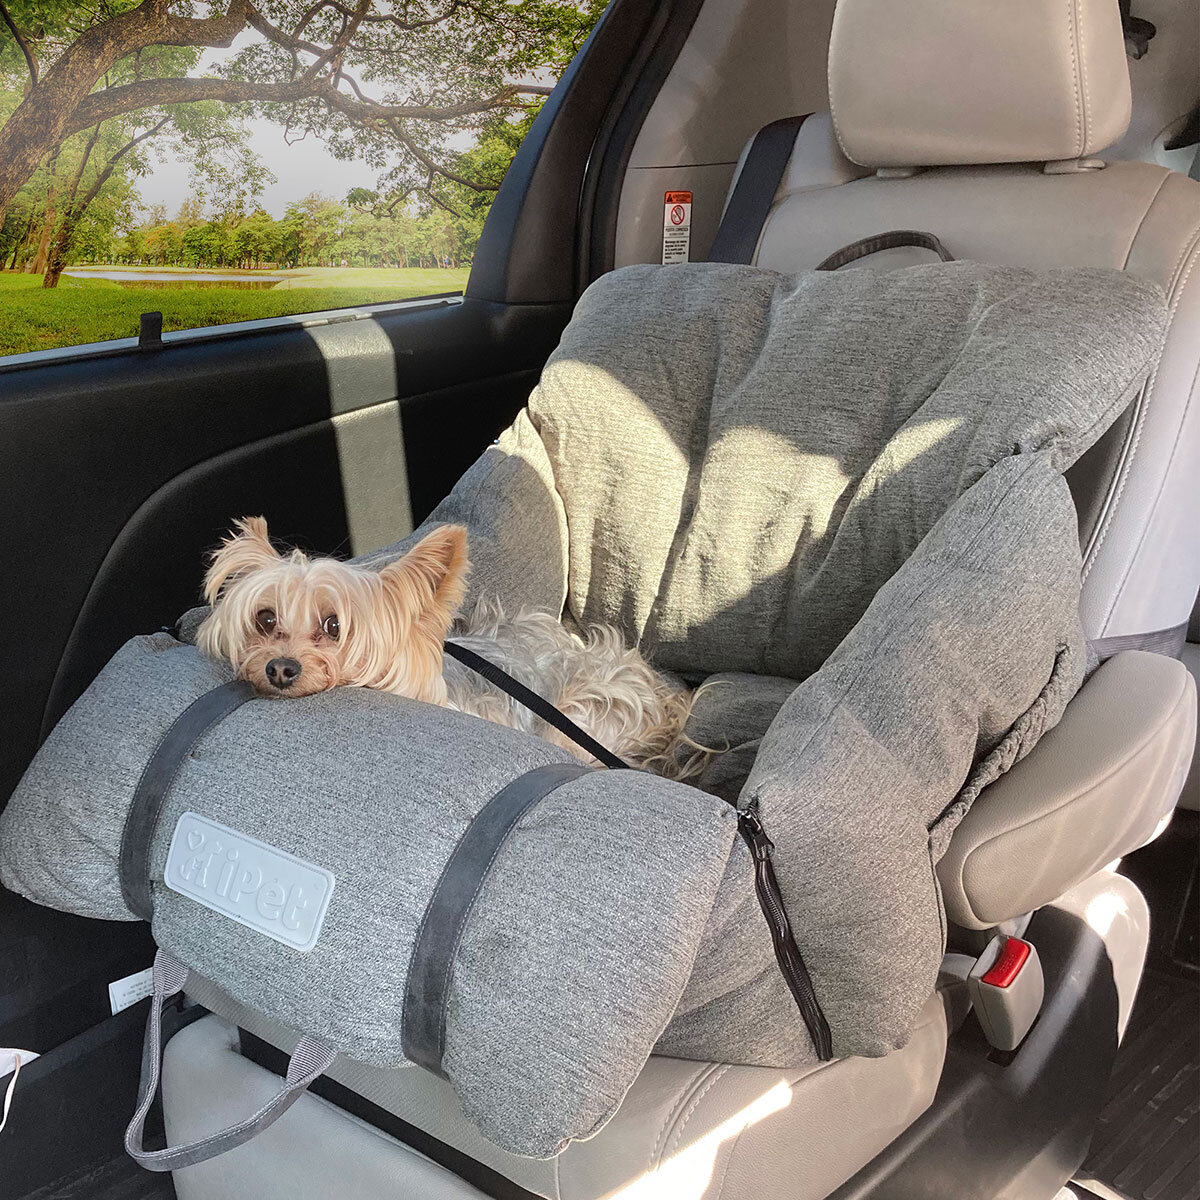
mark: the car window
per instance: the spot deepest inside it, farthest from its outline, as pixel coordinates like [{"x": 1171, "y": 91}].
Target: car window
[{"x": 230, "y": 163}]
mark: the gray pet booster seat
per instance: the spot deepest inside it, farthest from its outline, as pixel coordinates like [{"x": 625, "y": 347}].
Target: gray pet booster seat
[{"x": 839, "y": 498}]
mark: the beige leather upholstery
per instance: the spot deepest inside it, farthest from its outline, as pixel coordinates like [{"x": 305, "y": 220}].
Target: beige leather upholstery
[
  {"x": 1095, "y": 787},
  {"x": 1113, "y": 908},
  {"x": 316, "y": 1152},
  {"x": 928, "y": 83},
  {"x": 686, "y": 1130}
]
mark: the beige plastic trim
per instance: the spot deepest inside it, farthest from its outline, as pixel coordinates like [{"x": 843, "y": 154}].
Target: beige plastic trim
[{"x": 1096, "y": 787}]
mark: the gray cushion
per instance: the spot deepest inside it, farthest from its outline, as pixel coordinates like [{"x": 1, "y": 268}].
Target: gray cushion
[
  {"x": 729, "y": 463},
  {"x": 581, "y": 942}
]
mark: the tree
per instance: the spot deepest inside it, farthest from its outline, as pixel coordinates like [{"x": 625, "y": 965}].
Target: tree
[
  {"x": 388, "y": 80},
  {"x": 77, "y": 202}
]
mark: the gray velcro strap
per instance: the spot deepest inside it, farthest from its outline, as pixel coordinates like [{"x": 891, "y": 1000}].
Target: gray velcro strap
[
  {"x": 156, "y": 779},
  {"x": 427, "y": 988},
  {"x": 310, "y": 1058},
  {"x": 1159, "y": 641}
]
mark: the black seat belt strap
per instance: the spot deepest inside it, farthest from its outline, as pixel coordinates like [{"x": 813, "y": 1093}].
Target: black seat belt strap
[{"x": 746, "y": 212}]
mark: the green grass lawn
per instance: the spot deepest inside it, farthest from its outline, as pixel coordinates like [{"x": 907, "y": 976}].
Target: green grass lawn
[{"x": 96, "y": 310}]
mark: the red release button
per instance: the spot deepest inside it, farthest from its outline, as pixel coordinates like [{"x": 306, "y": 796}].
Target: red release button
[{"x": 1008, "y": 965}]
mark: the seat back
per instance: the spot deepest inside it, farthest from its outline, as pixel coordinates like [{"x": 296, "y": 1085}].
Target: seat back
[{"x": 978, "y": 124}]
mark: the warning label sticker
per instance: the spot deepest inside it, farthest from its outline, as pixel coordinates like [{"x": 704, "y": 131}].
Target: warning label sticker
[{"x": 677, "y": 227}]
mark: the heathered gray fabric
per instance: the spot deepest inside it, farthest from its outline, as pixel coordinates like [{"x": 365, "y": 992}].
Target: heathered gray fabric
[
  {"x": 577, "y": 918},
  {"x": 960, "y": 662},
  {"x": 745, "y": 458},
  {"x": 851, "y": 480}
]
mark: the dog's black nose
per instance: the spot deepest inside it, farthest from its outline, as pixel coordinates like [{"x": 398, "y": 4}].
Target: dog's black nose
[{"x": 283, "y": 672}]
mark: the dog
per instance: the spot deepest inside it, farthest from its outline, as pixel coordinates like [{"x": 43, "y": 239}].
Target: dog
[{"x": 294, "y": 625}]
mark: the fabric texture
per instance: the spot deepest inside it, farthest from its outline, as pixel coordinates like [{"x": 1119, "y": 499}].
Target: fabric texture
[
  {"x": 764, "y": 476},
  {"x": 838, "y": 498}
]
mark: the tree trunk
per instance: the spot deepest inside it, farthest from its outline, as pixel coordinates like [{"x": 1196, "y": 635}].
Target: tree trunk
[
  {"x": 38, "y": 265},
  {"x": 50, "y": 111},
  {"x": 22, "y": 242},
  {"x": 75, "y": 209},
  {"x": 62, "y": 244},
  {"x": 57, "y": 258}
]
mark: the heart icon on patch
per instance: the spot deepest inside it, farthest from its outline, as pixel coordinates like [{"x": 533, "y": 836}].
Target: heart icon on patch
[{"x": 195, "y": 839}]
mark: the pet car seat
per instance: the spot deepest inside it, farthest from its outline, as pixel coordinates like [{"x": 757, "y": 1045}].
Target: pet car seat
[{"x": 433, "y": 889}]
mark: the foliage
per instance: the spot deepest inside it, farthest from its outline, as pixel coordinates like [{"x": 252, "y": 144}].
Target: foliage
[
  {"x": 314, "y": 231},
  {"x": 396, "y": 83},
  {"x": 435, "y": 94}
]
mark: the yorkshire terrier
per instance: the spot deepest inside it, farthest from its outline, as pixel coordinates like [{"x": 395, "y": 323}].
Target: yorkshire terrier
[{"x": 294, "y": 625}]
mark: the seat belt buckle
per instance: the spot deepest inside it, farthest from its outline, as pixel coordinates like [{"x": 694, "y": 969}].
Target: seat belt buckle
[{"x": 1006, "y": 987}]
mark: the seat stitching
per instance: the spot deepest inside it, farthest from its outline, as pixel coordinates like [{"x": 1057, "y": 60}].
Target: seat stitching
[
  {"x": 730, "y": 1150},
  {"x": 1074, "y": 33},
  {"x": 837, "y": 132},
  {"x": 1139, "y": 411},
  {"x": 1083, "y": 80},
  {"x": 1175, "y": 294},
  {"x": 1141, "y": 224},
  {"x": 1171, "y": 458},
  {"x": 1142, "y": 405},
  {"x": 677, "y": 1133},
  {"x": 680, "y": 1100}
]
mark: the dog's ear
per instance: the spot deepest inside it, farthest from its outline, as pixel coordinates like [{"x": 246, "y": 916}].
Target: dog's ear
[
  {"x": 431, "y": 579},
  {"x": 246, "y": 549}
]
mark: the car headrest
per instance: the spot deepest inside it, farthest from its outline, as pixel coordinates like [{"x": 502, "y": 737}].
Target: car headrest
[{"x": 916, "y": 83}]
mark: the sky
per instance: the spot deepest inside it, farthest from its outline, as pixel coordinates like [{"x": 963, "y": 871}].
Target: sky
[{"x": 301, "y": 168}]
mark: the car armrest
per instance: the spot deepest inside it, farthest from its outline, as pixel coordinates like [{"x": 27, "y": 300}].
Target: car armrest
[{"x": 1095, "y": 787}]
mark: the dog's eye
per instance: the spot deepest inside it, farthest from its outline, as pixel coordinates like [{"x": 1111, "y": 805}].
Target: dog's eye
[
  {"x": 330, "y": 627},
  {"x": 264, "y": 620}
]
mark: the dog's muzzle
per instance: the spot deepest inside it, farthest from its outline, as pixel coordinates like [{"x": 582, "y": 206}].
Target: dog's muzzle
[{"x": 282, "y": 672}]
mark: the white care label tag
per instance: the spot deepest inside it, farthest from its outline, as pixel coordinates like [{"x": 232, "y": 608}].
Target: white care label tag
[
  {"x": 124, "y": 992},
  {"x": 677, "y": 227},
  {"x": 254, "y": 884}
]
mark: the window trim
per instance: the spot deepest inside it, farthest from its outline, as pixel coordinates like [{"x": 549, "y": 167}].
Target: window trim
[{"x": 228, "y": 331}]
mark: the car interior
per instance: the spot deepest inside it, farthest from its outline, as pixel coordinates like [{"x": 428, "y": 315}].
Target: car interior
[{"x": 1035, "y": 134}]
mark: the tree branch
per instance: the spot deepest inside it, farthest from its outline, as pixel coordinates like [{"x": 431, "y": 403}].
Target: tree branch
[
  {"x": 109, "y": 166},
  {"x": 73, "y": 191},
  {"x": 436, "y": 169},
  {"x": 153, "y": 93},
  {"x": 27, "y": 50}
]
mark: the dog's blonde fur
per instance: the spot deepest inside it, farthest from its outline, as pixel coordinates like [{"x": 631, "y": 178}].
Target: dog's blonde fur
[{"x": 390, "y": 626}]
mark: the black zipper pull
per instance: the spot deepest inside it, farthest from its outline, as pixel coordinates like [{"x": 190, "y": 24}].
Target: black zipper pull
[{"x": 787, "y": 953}]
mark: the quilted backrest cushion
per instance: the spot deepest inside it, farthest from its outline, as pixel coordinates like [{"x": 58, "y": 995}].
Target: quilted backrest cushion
[{"x": 745, "y": 458}]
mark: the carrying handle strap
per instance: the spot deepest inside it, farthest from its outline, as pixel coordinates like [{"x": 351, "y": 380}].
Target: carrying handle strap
[
  {"x": 893, "y": 240},
  {"x": 311, "y": 1057}
]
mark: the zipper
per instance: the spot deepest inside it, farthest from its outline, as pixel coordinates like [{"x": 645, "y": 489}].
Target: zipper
[{"x": 787, "y": 953}]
